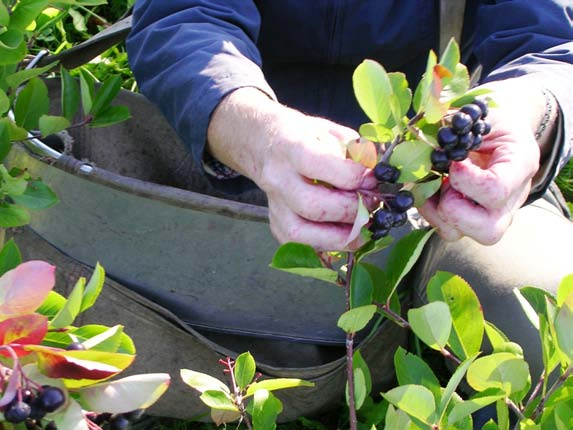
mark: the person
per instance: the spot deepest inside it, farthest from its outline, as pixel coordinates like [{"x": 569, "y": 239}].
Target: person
[{"x": 261, "y": 94}]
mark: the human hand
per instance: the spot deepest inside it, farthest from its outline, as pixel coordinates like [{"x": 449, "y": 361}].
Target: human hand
[
  {"x": 482, "y": 193},
  {"x": 299, "y": 161}
]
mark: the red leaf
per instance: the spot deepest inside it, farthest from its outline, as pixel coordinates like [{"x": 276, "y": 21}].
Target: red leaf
[
  {"x": 23, "y": 289},
  {"x": 363, "y": 151},
  {"x": 442, "y": 72},
  {"x": 94, "y": 365},
  {"x": 23, "y": 330}
]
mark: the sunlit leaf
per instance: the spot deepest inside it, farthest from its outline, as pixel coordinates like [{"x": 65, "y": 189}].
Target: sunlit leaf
[
  {"x": 32, "y": 102},
  {"x": 356, "y": 319},
  {"x": 50, "y": 124},
  {"x": 203, "y": 382},
  {"x": 93, "y": 287},
  {"x": 126, "y": 394},
  {"x": 503, "y": 371},
  {"x": 13, "y": 216},
  {"x": 362, "y": 151},
  {"x": 376, "y": 132},
  {"x": 413, "y": 370},
  {"x": 218, "y": 400},
  {"x": 372, "y": 88},
  {"x": 26, "y": 12},
  {"x": 244, "y": 370},
  {"x": 10, "y": 257},
  {"x": 277, "y": 384},
  {"x": 12, "y": 47},
  {"x": 302, "y": 260},
  {"x": 71, "y": 309},
  {"x": 416, "y": 400},
  {"x": 16, "y": 79},
  {"x": 432, "y": 323},
  {"x": 422, "y": 191},
  {"x": 266, "y": 408},
  {"x": 24, "y": 288},
  {"x": 23, "y": 330},
  {"x": 412, "y": 157}
]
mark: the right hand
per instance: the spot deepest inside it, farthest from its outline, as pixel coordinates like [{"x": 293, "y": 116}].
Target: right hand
[{"x": 300, "y": 162}]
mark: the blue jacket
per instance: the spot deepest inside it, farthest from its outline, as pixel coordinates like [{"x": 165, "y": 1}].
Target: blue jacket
[{"x": 188, "y": 54}]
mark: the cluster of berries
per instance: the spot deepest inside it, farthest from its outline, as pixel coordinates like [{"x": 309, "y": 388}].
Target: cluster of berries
[
  {"x": 465, "y": 133},
  {"x": 31, "y": 406},
  {"x": 393, "y": 212},
  {"x": 116, "y": 421}
]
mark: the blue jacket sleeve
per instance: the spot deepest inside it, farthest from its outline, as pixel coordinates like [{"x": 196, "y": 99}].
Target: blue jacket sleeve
[
  {"x": 188, "y": 54},
  {"x": 521, "y": 37}
]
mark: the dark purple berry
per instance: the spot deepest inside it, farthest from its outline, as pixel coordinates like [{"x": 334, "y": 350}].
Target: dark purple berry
[
  {"x": 483, "y": 107},
  {"x": 51, "y": 398},
  {"x": 447, "y": 138},
  {"x": 386, "y": 173},
  {"x": 440, "y": 161},
  {"x": 461, "y": 123},
  {"x": 458, "y": 154},
  {"x": 487, "y": 129},
  {"x": 380, "y": 233},
  {"x": 479, "y": 127},
  {"x": 465, "y": 141},
  {"x": 17, "y": 412},
  {"x": 473, "y": 110},
  {"x": 76, "y": 346},
  {"x": 403, "y": 200},
  {"x": 476, "y": 143},
  {"x": 38, "y": 412},
  {"x": 382, "y": 219},
  {"x": 118, "y": 422},
  {"x": 400, "y": 219},
  {"x": 51, "y": 426}
]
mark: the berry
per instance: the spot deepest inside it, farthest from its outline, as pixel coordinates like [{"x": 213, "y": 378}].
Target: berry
[
  {"x": 382, "y": 219},
  {"x": 461, "y": 123},
  {"x": 118, "y": 422},
  {"x": 400, "y": 219},
  {"x": 483, "y": 107},
  {"x": 17, "y": 412},
  {"x": 51, "y": 426},
  {"x": 465, "y": 141},
  {"x": 403, "y": 201},
  {"x": 76, "y": 346},
  {"x": 38, "y": 412},
  {"x": 386, "y": 173},
  {"x": 379, "y": 234},
  {"x": 473, "y": 110},
  {"x": 447, "y": 138},
  {"x": 458, "y": 154},
  {"x": 477, "y": 142},
  {"x": 51, "y": 398},
  {"x": 479, "y": 127},
  {"x": 440, "y": 161}
]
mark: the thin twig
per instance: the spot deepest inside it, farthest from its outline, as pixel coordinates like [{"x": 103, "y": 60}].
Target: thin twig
[
  {"x": 560, "y": 381},
  {"x": 353, "y": 420}
]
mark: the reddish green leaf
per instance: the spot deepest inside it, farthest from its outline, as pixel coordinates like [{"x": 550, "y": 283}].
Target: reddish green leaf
[
  {"x": 23, "y": 330},
  {"x": 363, "y": 151}
]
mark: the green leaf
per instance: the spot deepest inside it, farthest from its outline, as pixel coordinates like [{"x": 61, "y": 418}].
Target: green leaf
[
  {"x": 105, "y": 95},
  {"x": 411, "y": 369},
  {"x": 401, "y": 97},
  {"x": 277, "y": 384},
  {"x": 126, "y": 394},
  {"x": 4, "y": 102},
  {"x": 78, "y": 21},
  {"x": 417, "y": 401},
  {"x": 87, "y": 91},
  {"x": 218, "y": 400},
  {"x": 70, "y": 311},
  {"x": 376, "y": 132},
  {"x": 110, "y": 115},
  {"x": 503, "y": 371},
  {"x": 451, "y": 56},
  {"x": 496, "y": 337},
  {"x": 473, "y": 404},
  {"x": 404, "y": 255},
  {"x": 50, "y": 124},
  {"x": 13, "y": 216},
  {"x": 93, "y": 288},
  {"x": 26, "y": 12},
  {"x": 453, "y": 384},
  {"x": 396, "y": 419},
  {"x": 266, "y": 408},
  {"x": 372, "y": 88},
  {"x": 12, "y": 47},
  {"x": 10, "y": 257},
  {"x": 423, "y": 89},
  {"x": 565, "y": 291},
  {"x": 356, "y": 319},
  {"x": 70, "y": 94},
  {"x": 361, "y": 287},
  {"x": 16, "y": 133},
  {"x": 202, "y": 382},
  {"x": 564, "y": 332},
  {"x": 12, "y": 185},
  {"x": 467, "y": 317},
  {"x": 360, "y": 389},
  {"x": 37, "y": 195},
  {"x": 360, "y": 220},
  {"x": 455, "y": 86},
  {"x": 469, "y": 97},
  {"x": 422, "y": 191},
  {"x": 412, "y": 157},
  {"x": 16, "y": 79},
  {"x": 244, "y": 371},
  {"x": 5, "y": 144},
  {"x": 4, "y": 15},
  {"x": 32, "y": 102},
  {"x": 373, "y": 246},
  {"x": 107, "y": 340},
  {"x": 432, "y": 323},
  {"x": 550, "y": 352},
  {"x": 52, "y": 305},
  {"x": 302, "y": 260}
]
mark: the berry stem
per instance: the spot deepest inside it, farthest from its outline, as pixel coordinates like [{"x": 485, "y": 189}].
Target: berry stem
[
  {"x": 353, "y": 420},
  {"x": 560, "y": 381}
]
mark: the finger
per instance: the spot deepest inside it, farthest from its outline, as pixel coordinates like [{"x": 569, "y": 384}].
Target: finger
[
  {"x": 486, "y": 226},
  {"x": 431, "y": 213},
  {"x": 316, "y": 202},
  {"x": 286, "y": 226}
]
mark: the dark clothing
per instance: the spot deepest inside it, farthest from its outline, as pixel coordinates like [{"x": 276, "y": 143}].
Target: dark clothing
[{"x": 188, "y": 54}]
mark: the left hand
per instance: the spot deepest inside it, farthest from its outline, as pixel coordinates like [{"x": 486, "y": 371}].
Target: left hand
[{"x": 482, "y": 193}]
